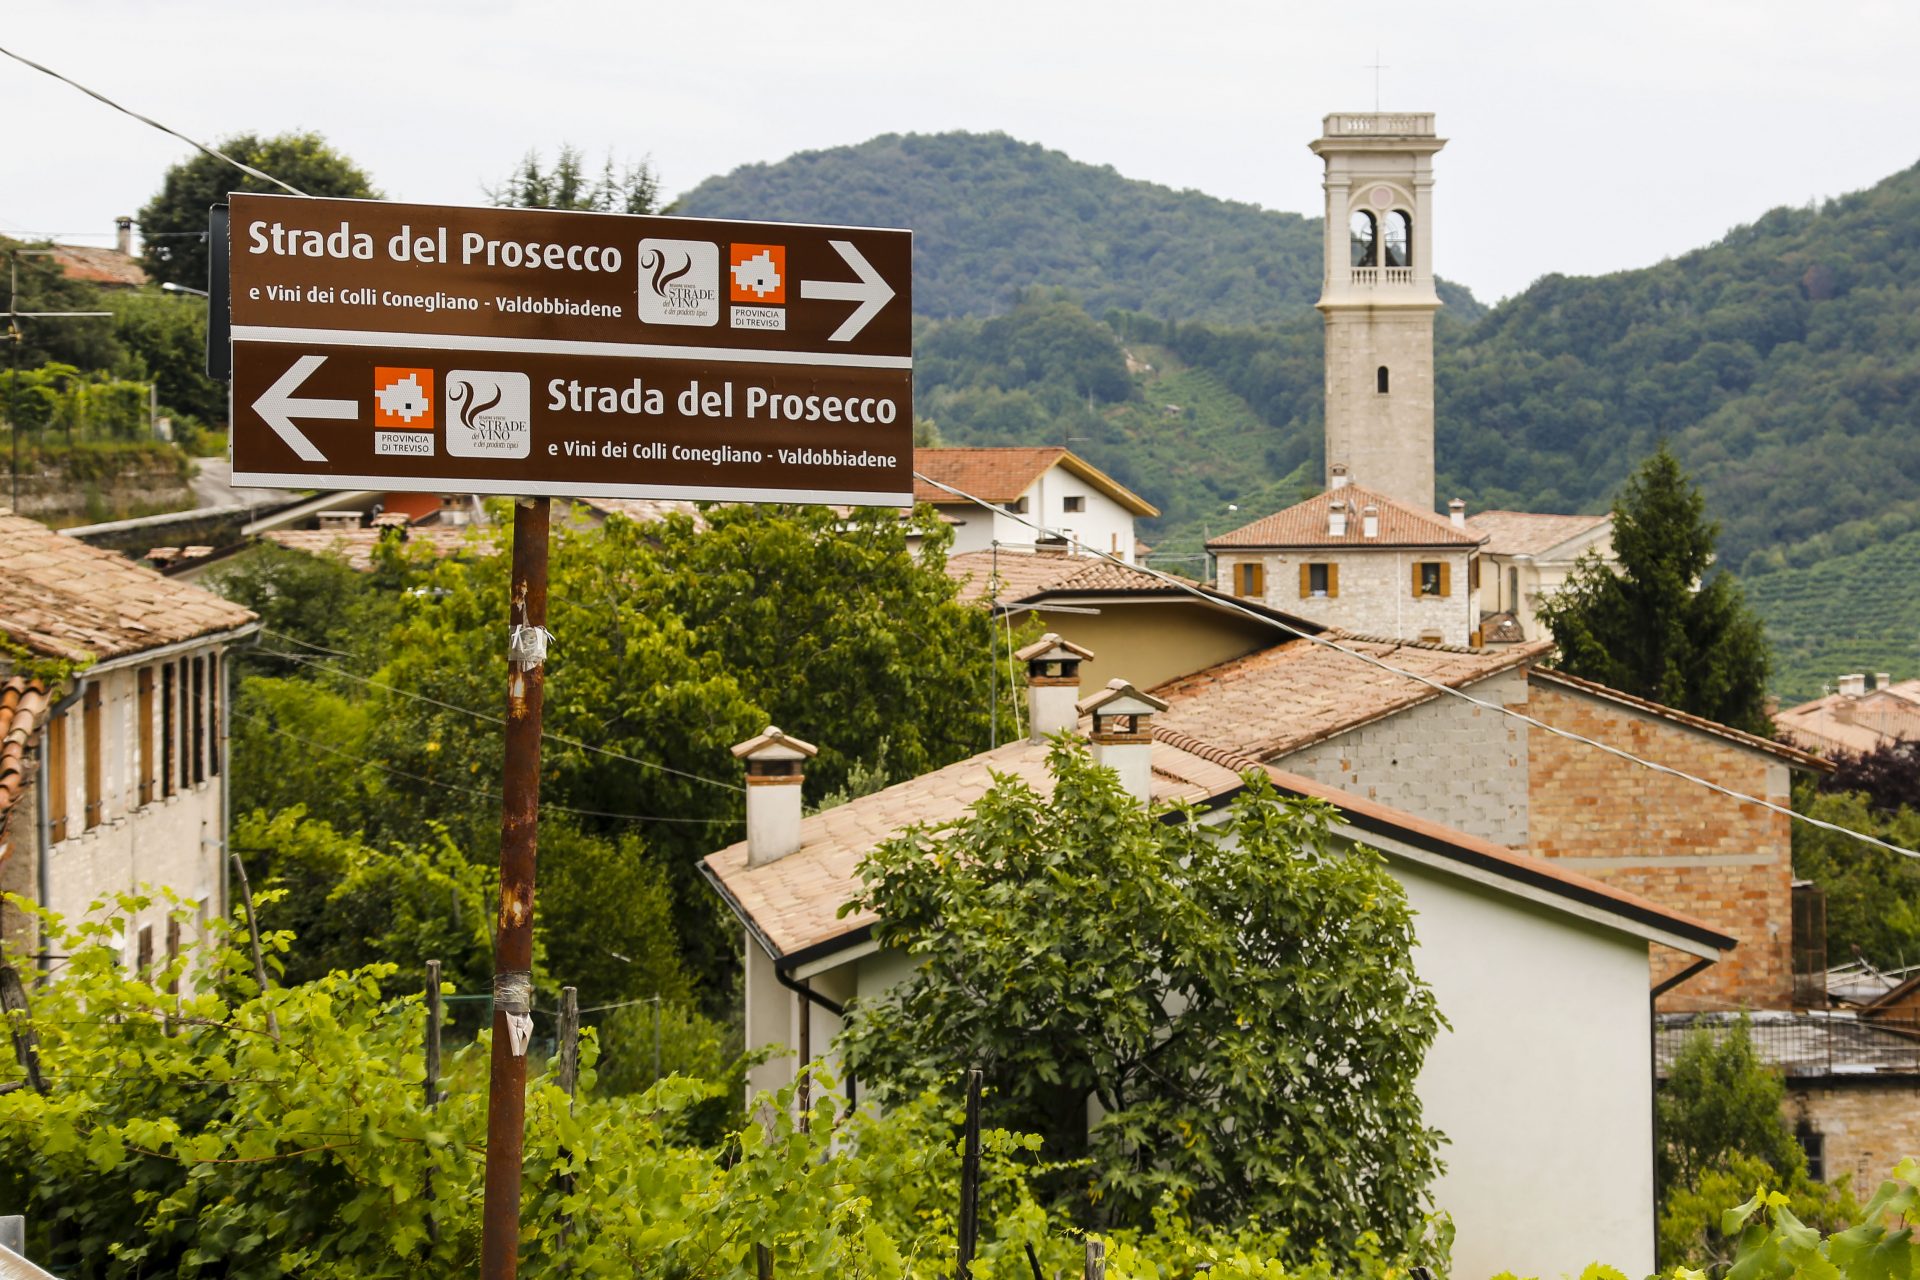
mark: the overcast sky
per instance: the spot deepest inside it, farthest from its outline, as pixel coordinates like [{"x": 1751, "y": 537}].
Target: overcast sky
[{"x": 1584, "y": 138}]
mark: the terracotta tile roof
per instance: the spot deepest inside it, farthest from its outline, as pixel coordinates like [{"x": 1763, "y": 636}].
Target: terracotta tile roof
[
  {"x": 23, "y": 709},
  {"x": 1740, "y": 737},
  {"x": 1025, "y": 574},
  {"x": 64, "y": 599},
  {"x": 1545, "y": 873},
  {"x": 1854, "y": 723},
  {"x": 1001, "y": 475},
  {"x": 100, "y": 266},
  {"x": 794, "y": 903},
  {"x": 644, "y": 510},
  {"x": 1528, "y": 533},
  {"x": 355, "y": 546},
  {"x": 1501, "y": 628},
  {"x": 1305, "y": 525},
  {"x": 1295, "y": 694}
]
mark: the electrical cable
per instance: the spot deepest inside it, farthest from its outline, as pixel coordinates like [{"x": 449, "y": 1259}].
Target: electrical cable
[
  {"x": 472, "y": 791},
  {"x": 101, "y": 97},
  {"x": 549, "y": 735},
  {"x": 1435, "y": 685}
]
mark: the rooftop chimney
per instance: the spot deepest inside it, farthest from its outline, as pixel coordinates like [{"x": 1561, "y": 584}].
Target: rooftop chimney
[
  {"x": 1852, "y": 686},
  {"x": 123, "y": 234},
  {"x": 1337, "y": 518},
  {"x": 776, "y": 770},
  {"x": 1457, "y": 513},
  {"x": 1123, "y": 734},
  {"x": 1882, "y": 680},
  {"x": 1339, "y": 474},
  {"x": 1053, "y": 682},
  {"x": 1370, "y": 521}
]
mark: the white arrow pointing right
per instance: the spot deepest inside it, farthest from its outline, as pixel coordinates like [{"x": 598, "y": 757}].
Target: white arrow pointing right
[
  {"x": 279, "y": 408},
  {"x": 870, "y": 291}
]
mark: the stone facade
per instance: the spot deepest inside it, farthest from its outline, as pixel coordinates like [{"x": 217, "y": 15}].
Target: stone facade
[
  {"x": 1458, "y": 764},
  {"x": 1375, "y": 592},
  {"x": 1867, "y": 1126},
  {"x": 1384, "y": 437},
  {"x": 1663, "y": 838}
]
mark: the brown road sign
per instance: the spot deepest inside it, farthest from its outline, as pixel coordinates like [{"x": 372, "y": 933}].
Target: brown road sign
[{"x": 540, "y": 352}]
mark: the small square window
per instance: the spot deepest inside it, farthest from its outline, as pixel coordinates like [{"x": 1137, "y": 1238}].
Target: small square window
[
  {"x": 1317, "y": 579},
  {"x": 1430, "y": 581},
  {"x": 1075, "y": 503}
]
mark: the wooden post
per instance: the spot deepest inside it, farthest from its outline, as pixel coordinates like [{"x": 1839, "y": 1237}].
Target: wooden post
[
  {"x": 656, "y": 1038},
  {"x": 253, "y": 934},
  {"x": 762, "y": 1262},
  {"x": 803, "y": 1094},
  {"x": 1096, "y": 1260},
  {"x": 519, "y": 845},
  {"x": 970, "y": 1179},
  {"x": 19, "y": 1017},
  {"x": 431, "y": 1084}
]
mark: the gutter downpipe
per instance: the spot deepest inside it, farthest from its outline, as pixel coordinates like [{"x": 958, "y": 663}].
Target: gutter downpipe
[
  {"x": 810, "y": 996},
  {"x": 1653, "y": 1078}
]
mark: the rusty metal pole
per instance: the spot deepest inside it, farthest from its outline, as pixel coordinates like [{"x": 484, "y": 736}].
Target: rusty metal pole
[{"x": 519, "y": 840}]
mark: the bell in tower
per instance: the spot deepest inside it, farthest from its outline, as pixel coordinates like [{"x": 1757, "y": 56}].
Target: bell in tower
[{"x": 1378, "y": 298}]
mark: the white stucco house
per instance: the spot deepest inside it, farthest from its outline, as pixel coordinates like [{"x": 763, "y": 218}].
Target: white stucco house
[
  {"x": 1052, "y": 487},
  {"x": 1541, "y": 1082},
  {"x": 1526, "y": 557},
  {"x": 115, "y": 779}
]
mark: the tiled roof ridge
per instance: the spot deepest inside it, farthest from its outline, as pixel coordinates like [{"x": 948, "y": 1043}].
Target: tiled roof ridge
[
  {"x": 23, "y": 709},
  {"x": 1357, "y": 497},
  {"x": 1687, "y": 718},
  {"x": 1212, "y": 753}
]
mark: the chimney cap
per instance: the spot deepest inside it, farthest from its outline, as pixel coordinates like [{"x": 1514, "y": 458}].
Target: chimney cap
[
  {"x": 1051, "y": 648},
  {"x": 773, "y": 744},
  {"x": 1120, "y": 698}
]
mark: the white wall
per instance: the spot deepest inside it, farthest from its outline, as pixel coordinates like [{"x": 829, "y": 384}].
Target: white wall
[
  {"x": 1103, "y": 526},
  {"x": 1376, "y": 591},
  {"x": 1542, "y": 1081}
]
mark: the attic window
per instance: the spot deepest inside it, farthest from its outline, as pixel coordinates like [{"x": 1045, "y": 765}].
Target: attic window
[{"x": 1075, "y": 503}]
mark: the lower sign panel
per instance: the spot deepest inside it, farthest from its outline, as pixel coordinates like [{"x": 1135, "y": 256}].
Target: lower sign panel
[{"x": 335, "y": 417}]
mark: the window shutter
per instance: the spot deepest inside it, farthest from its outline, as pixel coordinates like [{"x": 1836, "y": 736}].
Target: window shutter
[
  {"x": 1416, "y": 579},
  {"x": 56, "y": 758},
  {"x": 1258, "y": 586},
  {"x": 1473, "y": 573},
  {"x": 1446, "y": 579},
  {"x": 1333, "y": 581},
  {"x": 93, "y": 754},
  {"x": 1306, "y": 580}
]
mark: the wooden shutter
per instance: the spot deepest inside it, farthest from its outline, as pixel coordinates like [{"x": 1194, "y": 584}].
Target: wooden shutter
[
  {"x": 1446, "y": 579},
  {"x": 1256, "y": 579},
  {"x": 198, "y": 694},
  {"x": 169, "y": 740},
  {"x": 213, "y": 714},
  {"x": 1306, "y": 580},
  {"x": 144, "y": 747},
  {"x": 90, "y": 732},
  {"x": 1473, "y": 573},
  {"x": 1333, "y": 581},
  {"x": 143, "y": 963},
  {"x": 57, "y": 778},
  {"x": 1416, "y": 579}
]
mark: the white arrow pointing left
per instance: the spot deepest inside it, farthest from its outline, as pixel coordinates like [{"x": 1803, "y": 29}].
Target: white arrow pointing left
[
  {"x": 279, "y": 407},
  {"x": 870, "y": 291}
]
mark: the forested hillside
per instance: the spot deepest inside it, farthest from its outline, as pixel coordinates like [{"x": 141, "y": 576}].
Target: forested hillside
[{"x": 993, "y": 217}]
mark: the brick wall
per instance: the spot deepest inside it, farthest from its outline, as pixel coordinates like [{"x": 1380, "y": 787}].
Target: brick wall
[
  {"x": 1727, "y": 863},
  {"x": 1445, "y": 760},
  {"x": 1869, "y": 1126}
]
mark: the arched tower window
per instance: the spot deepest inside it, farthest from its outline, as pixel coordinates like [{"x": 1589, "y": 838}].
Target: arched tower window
[
  {"x": 1399, "y": 239},
  {"x": 1364, "y": 234},
  {"x": 1380, "y": 380}
]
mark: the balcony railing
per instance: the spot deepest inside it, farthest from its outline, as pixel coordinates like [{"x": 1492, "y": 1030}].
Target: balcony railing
[
  {"x": 1352, "y": 124},
  {"x": 1370, "y": 276}
]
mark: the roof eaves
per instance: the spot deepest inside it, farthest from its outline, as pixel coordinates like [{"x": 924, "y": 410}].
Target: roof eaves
[
  {"x": 1113, "y": 488},
  {"x": 1739, "y": 737}
]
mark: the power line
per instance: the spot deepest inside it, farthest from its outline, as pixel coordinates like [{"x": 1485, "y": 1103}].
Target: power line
[
  {"x": 548, "y": 735},
  {"x": 270, "y": 727},
  {"x": 101, "y": 97},
  {"x": 1435, "y": 685}
]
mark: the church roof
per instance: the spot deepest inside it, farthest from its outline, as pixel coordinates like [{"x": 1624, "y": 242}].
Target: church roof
[
  {"x": 1282, "y": 699},
  {"x": 1002, "y": 475},
  {"x": 1530, "y": 533},
  {"x": 1305, "y": 524}
]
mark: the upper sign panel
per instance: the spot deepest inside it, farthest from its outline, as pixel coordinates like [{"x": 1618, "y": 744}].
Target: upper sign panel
[{"x": 528, "y": 279}]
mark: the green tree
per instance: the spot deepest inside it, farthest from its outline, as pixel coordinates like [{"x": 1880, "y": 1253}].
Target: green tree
[
  {"x": 1237, "y": 1003},
  {"x": 83, "y": 342},
  {"x": 1663, "y": 625},
  {"x": 166, "y": 343},
  {"x": 173, "y": 225},
  {"x": 1873, "y": 894},
  {"x": 569, "y": 184}
]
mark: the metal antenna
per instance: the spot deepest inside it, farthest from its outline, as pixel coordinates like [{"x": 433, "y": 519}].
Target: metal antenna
[{"x": 1376, "y": 66}]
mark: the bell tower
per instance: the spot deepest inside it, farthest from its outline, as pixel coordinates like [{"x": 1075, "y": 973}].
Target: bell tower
[{"x": 1378, "y": 299}]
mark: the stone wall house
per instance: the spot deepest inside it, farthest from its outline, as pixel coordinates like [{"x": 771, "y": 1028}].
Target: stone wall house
[
  {"x": 1525, "y": 559},
  {"x": 114, "y": 777},
  {"x": 1540, "y": 1081},
  {"x": 1361, "y": 561}
]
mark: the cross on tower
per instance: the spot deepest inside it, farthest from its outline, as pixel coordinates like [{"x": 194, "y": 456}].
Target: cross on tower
[{"x": 1376, "y": 66}]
